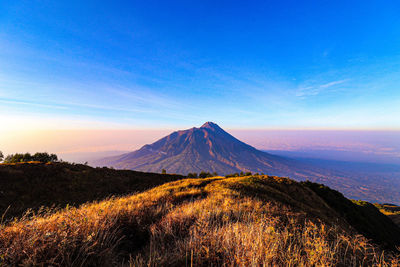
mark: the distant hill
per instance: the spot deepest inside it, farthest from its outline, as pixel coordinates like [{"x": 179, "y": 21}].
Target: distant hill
[
  {"x": 210, "y": 148},
  {"x": 241, "y": 221},
  {"x": 32, "y": 185}
]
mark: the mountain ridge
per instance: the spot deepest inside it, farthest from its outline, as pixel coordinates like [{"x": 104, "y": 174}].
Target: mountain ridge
[{"x": 207, "y": 148}]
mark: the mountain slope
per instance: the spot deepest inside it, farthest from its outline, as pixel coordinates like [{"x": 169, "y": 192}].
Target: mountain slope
[
  {"x": 33, "y": 185},
  {"x": 210, "y": 148},
  {"x": 241, "y": 221}
]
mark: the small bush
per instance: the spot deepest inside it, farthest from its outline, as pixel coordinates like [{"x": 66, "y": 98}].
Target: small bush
[
  {"x": 43, "y": 157},
  {"x": 204, "y": 174}
]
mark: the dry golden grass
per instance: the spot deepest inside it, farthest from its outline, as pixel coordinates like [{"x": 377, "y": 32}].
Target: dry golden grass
[{"x": 211, "y": 221}]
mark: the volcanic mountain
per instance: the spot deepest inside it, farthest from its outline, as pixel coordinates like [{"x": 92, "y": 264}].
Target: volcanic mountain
[
  {"x": 208, "y": 148},
  {"x": 211, "y": 149}
]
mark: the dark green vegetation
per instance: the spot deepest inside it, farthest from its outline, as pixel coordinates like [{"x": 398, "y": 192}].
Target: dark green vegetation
[
  {"x": 239, "y": 174},
  {"x": 43, "y": 157},
  {"x": 32, "y": 185},
  {"x": 202, "y": 174}
]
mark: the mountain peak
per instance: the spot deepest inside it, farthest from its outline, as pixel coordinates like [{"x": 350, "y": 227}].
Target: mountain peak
[{"x": 210, "y": 125}]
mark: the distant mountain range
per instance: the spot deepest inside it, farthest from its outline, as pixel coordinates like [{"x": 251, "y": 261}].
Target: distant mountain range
[{"x": 210, "y": 148}]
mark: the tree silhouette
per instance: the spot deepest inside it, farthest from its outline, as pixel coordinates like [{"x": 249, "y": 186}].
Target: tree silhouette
[
  {"x": 192, "y": 175},
  {"x": 43, "y": 157},
  {"x": 204, "y": 174}
]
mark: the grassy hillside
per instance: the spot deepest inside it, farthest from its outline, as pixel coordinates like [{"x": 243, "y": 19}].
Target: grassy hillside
[
  {"x": 32, "y": 185},
  {"x": 390, "y": 210},
  {"x": 363, "y": 216},
  {"x": 242, "y": 221}
]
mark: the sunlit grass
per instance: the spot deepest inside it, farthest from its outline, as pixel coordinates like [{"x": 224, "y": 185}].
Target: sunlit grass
[{"x": 211, "y": 221}]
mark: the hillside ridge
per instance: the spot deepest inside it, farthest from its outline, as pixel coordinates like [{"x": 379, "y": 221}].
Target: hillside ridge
[
  {"x": 249, "y": 220},
  {"x": 36, "y": 185}
]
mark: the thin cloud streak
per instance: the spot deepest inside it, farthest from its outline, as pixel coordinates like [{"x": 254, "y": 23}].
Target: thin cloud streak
[
  {"x": 68, "y": 105},
  {"x": 333, "y": 83},
  {"x": 316, "y": 90},
  {"x": 28, "y": 103}
]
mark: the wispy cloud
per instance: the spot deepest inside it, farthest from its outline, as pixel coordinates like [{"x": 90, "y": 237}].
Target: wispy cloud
[
  {"x": 317, "y": 89},
  {"x": 143, "y": 108},
  {"x": 29, "y": 103},
  {"x": 67, "y": 105},
  {"x": 143, "y": 96},
  {"x": 327, "y": 85}
]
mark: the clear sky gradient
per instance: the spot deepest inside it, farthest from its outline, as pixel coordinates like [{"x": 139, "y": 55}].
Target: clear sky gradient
[{"x": 166, "y": 64}]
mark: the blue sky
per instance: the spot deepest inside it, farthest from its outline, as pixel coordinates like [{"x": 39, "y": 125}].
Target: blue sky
[{"x": 242, "y": 64}]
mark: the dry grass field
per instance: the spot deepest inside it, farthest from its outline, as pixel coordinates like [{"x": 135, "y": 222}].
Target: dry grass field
[{"x": 242, "y": 221}]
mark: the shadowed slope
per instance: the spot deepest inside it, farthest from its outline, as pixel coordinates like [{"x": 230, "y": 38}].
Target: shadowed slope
[
  {"x": 32, "y": 185},
  {"x": 390, "y": 210}
]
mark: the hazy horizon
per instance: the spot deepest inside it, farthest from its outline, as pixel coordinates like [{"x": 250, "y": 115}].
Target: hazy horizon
[{"x": 85, "y": 145}]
